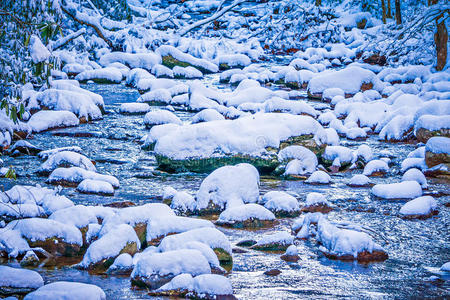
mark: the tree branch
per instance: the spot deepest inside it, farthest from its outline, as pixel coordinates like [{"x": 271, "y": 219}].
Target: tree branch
[
  {"x": 63, "y": 41},
  {"x": 215, "y": 16}
]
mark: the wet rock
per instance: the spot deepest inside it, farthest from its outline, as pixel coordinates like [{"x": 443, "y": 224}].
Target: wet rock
[
  {"x": 23, "y": 147},
  {"x": 29, "y": 260},
  {"x": 437, "y": 151},
  {"x": 246, "y": 243},
  {"x": 291, "y": 254},
  {"x": 247, "y": 216},
  {"x": 272, "y": 272},
  {"x": 423, "y": 134},
  {"x": 362, "y": 257},
  {"x": 316, "y": 202},
  {"x": 123, "y": 265},
  {"x": 440, "y": 170},
  {"x": 279, "y": 241},
  {"x": 375, "y": 59},
  {"x": 120, "y": 204},
  {"x": 239, "y": 250}
]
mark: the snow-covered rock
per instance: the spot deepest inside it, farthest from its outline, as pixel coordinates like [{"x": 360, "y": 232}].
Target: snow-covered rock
[
  {"x": 415, "y": 175},
  {"x": 66, "y": 159},
  {"x": 74, "y": 175},
  {"x": 319, "y": 177},
  {"x": 68, "y": 291},
  {"x": 420, "y": 208},
  {"x": 18, "y": 281},
  {"x": 92, "y": 186},
  {"x": 359, "y": 180},
  {"x": 46, "y": 119},
  {"x": 281, "y": 203},
  {"x": 402, "y": 190},
  {"x": 278, "y": 241},
  {"x": 376, "y": 168},
  {"x": 246, "y": 216},
  {"x": 159, "y": 117},
  {"x": 134, "y": 108}
]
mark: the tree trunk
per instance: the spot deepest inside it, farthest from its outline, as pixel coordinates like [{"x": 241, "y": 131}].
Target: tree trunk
[
  {"x": 440, "y": 39},
  {"x": 398, "y": 12},
  {"x": 318, "y": 2},
  {"x": 383, "y": 9},
  {"x": 389, "y": 10}
]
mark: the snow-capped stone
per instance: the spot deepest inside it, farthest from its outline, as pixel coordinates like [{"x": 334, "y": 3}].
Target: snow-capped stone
[
  {"x": 74, "y": 175},
  {"x": 359, "y": 180},
  {"x": 92, "y": 186},
  {"x": 134, "y": 108},
  {"x": 67, "y": 291},
  {"x": 66, "y": 159},
  {"x": 281, "y": 203},
  {"x": 402, "y": 190},
  {"x": 158, "y": 117},
  {"x": 415, "y": 175},
  {"x": 422, "y": 207},
  {"x": 47, "y": 119},
  {"x": 18, "y": 281},
  {"x": 316, "y": 202},
  {"x": 246, "y": 215},
  {"x": 278, "y": 241},
  {"x": 376, "y": 168},
  {"x": 319, "y": 177},
  {"x": 153, "y": 270}
]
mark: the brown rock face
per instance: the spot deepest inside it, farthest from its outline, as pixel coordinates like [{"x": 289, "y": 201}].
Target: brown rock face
[
  {"x": 434, "y": 159},
  {"x": 423, "y": 135},
  {"x": 272, "y": 272},
  {"x": 363, "y": 257}
]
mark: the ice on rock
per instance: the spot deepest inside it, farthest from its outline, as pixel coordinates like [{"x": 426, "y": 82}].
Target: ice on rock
[
  {"x": 359, "y": 180},
  {"x": 376, "y": 167},
  {"x": 280, "y": 203},
  {"x": 274, "y": 242},
  {"x": 74, "y": 175},
  {"x": 66, "y": 159},
  {"x": 159, "y": 117},
  {"x": 118, "y": 240},
  {"x": 64, "y": 290},
  {"x": 319, "y": 177},
  {"x": 153, "y": 270},
  {"x": 46, "y": 119},
  {"x": 421, "y": 207},
  {"x": 240, "y": 181},
  {"x": 158, "y": 228},
  {"x": 414, "y": 174},
  {"x": 402, "y": 190},
  {"x": 134, "y": 108}
]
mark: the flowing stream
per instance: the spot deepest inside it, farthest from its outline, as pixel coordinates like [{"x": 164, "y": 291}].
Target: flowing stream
[{"x": 416, "y": 248}]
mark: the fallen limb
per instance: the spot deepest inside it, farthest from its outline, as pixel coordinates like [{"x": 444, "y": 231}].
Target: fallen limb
[
  {"x": 63, "y": 41},
  {"x": 90, "y": 21},
  {"x": 215, "y": 16}
]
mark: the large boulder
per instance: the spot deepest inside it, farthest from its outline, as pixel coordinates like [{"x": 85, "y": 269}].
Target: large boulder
[{"x": 15, "y": 281}]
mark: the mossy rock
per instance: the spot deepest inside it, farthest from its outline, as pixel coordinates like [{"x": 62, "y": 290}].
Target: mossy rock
[
  {"x": 272, "y": 247},
  {"x": 170, "y": 62},
  {"x": 250, "y": 223},
  {"x": 225, "y": 258},
  {"x": 141, "y": 232},
  {"x": 293, "y": 85},
  {"x": 306, "y": 141},
  {"x": 207, "y": 165},
  {"x": 103, "y": 265}
]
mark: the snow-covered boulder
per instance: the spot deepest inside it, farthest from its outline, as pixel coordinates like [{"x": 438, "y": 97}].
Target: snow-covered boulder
[
  {"x": 359, "y": 180},
  {"x": 420, "y": 208},
  {"x": 246, "y": 216},
  {"x": 351, "y": 80},
  {"x": 79, "y": 216},
  {"x": 347, "y": 244},
  {"x": 159, "y": 117},
  {"x": 123, "y": 265},
  {"x": 133, "y": 60},
  {"x": 318, "y": 177},
  {"x": 14, "y": 281},
  {"x": 53, "y": 236},
  {"x": 101, "y": 253},
  {"x": 153, "y": 270},
  {"x": 99, "y": 187},
  {"x": 278, "y": 241},
  {"x": 228, "y": 184},
  {"x": 207, "y": 115},
  {"x": 415, "y": 175},
  {"x": 205, "y": 286},
  {"x": 158, "y": 228},
  {"x": 229, "y": 61},
  {"x": 66, "y": 159},
  {"x": 402, "y": 190},
  {"x": 212, "y": 237},
  {"x": 68, "y": 291},
  {"x": 47, "y": 119},
  {"x": 74, "y": 175},
  {"x": 199, "y": 147},
  {"x": 104, "y": 75},
  {"x": 281, "y": 203},
  {"x": 187, "y": 73},
  {"x": 428, "y": 126},
  {"x": 302, "y": 161},
  {"x": 376, "y": 167},
  {"x": 316, "y": 202},
  {"x": 134, "y": 108},
  {"x": 291, "y": 254},
  {"x": 437, "y": 151}
]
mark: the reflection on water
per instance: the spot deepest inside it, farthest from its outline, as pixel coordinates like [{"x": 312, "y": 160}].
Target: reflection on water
[{"x": 413, "y": 246}]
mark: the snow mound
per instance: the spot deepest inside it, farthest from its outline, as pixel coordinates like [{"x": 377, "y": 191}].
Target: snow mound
[
  {"x": 402, "y": 190},
  {"x": 421, "y": 206},
  {"x": 46, "y": 119},
  {"x": 159, "y": 117},
  {"x": 64, "y": 290},
  {"x": 319, "y": 177}
]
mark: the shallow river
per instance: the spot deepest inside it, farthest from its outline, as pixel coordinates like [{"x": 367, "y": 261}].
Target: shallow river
[{"x": 416, "y": 248}]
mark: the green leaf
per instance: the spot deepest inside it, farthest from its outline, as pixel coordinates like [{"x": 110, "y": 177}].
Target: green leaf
[{"x": 11, "y": 174}]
